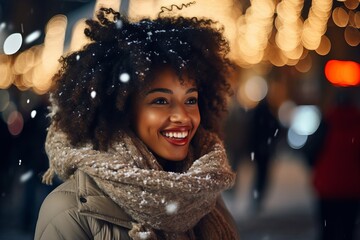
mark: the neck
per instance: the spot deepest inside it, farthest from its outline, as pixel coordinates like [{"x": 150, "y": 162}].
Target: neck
[{"x": 171, "y": 166}]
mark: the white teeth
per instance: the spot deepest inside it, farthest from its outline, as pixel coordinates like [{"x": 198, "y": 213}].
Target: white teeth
[{"x": 175, "y": 134}]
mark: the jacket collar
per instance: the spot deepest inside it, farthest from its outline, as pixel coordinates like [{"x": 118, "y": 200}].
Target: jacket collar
[{"x": 93, "y": 202}]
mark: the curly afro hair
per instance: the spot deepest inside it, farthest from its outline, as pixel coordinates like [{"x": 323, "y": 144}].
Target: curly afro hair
[{"x": 93, "y": 89}]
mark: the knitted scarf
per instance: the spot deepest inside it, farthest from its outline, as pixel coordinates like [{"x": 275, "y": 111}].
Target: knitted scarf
[{"x": 163, "y": 205}]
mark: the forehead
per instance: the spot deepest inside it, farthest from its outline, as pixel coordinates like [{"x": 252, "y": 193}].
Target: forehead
[{"x": 168, "y": 78}]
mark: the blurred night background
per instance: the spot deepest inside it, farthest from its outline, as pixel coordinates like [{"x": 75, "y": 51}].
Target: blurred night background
[{"x": 293, "y": 127}]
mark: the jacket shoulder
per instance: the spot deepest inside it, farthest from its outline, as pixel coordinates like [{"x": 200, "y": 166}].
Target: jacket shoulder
[
  {"x": 59, "y": 217},
  {"x": 66, "y": 215}
]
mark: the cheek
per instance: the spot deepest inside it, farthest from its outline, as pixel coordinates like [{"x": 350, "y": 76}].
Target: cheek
[
  {"x": 199, "y": 119},
  {"x": 151, "y": 117},
  {"x": 147, "y": 120},
  {"x": 196, "y": 119}
]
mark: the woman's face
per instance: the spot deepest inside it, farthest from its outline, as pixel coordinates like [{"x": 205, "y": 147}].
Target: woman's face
[{"x": 166, "y": 115}]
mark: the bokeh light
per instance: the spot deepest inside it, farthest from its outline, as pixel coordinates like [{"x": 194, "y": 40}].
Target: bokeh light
[
  {"x": 11, "y": 107},
  {"x": 2, "y": 25},
  {"x": 15, "y": 123},
  {"x": 13, "y": 43},
  {"x": 78, "y": 39},
  {"x": 294, "y": 140},
  {"x": 304, "y": 65},
  {"x": 357, "y": 19},
  {"x": 340, "y": 17},
  {"x": 343, "y": 73},
  {"x": 256, "y": 88},
  {"x": 4, "y": 99},
  {"x": 305, "y": 119},
  {"x": 352, "y": 36},
  {"x": 351, "y": 4},
  {"x": 286, "y": 112},
  {"x": 324, "y": 47}
]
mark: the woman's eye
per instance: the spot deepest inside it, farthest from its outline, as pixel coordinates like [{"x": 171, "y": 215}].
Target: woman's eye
[
  {"x": 160, "y": 101},
  {"x": 192, "y": 101}
]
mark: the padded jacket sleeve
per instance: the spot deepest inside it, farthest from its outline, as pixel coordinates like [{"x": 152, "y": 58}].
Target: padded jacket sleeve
[{"x": 59, "y": 218}]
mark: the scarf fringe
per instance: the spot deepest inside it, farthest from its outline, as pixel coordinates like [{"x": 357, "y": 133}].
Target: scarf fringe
[
  {"x": 48, "y": 176},
  {"x": 139, "y": 232}
]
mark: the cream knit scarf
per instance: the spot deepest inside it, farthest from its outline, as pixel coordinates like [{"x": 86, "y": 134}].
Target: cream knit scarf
[{"x": 164, "y": 205}]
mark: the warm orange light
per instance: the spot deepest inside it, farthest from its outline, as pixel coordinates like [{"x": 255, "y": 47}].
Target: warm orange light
[{"x": 343, "y": 73}]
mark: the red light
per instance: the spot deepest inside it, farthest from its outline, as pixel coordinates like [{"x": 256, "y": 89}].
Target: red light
[
  {"x": 343, "y": 73},
  {"x": 15, "y": 123}
]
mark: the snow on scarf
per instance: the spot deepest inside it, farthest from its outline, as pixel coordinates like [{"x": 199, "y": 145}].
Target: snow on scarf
[{"x": 157, "y": 200}]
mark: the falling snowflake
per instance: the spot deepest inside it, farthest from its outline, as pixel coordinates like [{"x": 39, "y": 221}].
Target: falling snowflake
[
  {"x": 19, "y": 162},
  {"x": 144, "y": 235},
  {"x": 171, "y": 208},
  {"x": 276, "y": 132},
  {"x": 118, "y": 24},
  {"x": 252, "y": 156},
  {"x": 33, "y": 113},
  {"x": 77, "y": 57},
  {"x": 26, "y": 176},
  {"x": 93, "y": 94},
  {"x": 124, "y": 77},
  {"x": 32, "y": 36},
  {"x": 28, "y": 101}
]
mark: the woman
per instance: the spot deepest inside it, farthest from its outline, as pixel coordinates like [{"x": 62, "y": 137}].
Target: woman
[{"x": 134, "y": 134}]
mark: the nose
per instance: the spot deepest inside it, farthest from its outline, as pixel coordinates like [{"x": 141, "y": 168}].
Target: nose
[{"x": 179, "y": 115}]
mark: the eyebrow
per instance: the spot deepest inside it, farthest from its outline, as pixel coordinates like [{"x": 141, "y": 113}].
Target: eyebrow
[{"x": 168, "y": 91}]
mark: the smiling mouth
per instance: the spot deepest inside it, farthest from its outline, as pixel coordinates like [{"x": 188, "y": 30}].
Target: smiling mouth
[
  {"x": 176, "y": 135},
  {"x": 178, "y": 138}
]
